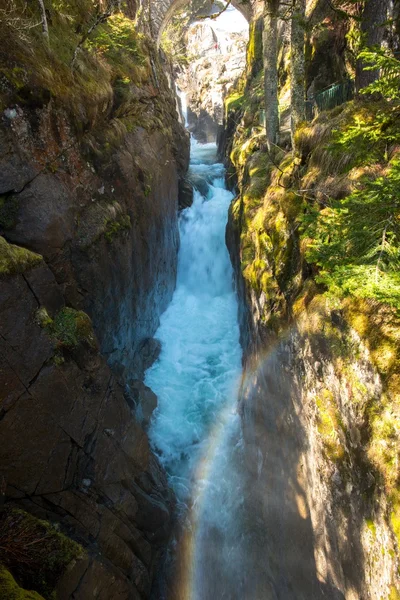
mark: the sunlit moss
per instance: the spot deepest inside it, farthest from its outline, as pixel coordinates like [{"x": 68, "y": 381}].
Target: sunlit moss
[
  {"x": 394, "y": 593},
  {"x": 254, "y": 47},
  {"x": 371, "y": 526},
  {"x": 330, "y": 425},
  {"x": 233, "y": 102}
]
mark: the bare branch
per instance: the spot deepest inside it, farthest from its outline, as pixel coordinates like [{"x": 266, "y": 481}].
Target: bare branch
[{"x": 216, "y": 15}]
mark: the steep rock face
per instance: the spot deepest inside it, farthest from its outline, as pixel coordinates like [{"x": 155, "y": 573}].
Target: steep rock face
[
  {"x": 320, "y": 393},
  {"x": 107, "y": 225},
  {"x": 88, "y": 222},
  {"x": 304, "y": 399},
  {"x": 71, "y": 449},
  {"x": 311, "y": 479},
  {"x": 217, "y": 60}
]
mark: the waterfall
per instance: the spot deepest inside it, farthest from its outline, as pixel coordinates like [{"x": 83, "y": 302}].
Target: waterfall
[
  {"x": 196, "y": 375},
  {"x": 184, "y": 108}
]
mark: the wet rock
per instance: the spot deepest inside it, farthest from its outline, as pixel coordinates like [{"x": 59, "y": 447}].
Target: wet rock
[
  {"x": 144, "y": 400},
  {"x": 45, "y": 219},
  {"x": 185, "y": 198},
  {"x": 44, "y": 287},
  {"x": 71, "y": 448},
  {"x": 147, "y": 353}
]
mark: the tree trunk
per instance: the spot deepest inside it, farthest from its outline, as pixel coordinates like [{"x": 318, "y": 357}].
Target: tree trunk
[
  {"x": 297, "y": 67},
  {"x": 270, "y": 53},
  {"x": 373, "y": 17},
  {"x": 45, "y": 27}
]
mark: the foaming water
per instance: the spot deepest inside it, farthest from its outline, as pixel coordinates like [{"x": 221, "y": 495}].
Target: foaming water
[
  {"x": 197, "y": 373},
  {"x": 196, "y": 430}
]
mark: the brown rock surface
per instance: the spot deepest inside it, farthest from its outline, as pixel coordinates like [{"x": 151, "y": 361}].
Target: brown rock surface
[
  {"x": 101, "y": 207},
  {"x": 71, "y": 451}
]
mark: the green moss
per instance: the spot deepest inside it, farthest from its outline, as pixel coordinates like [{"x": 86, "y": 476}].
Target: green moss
[
  {"x": 102, "y": 77},
  {"x": 371, "y": 526},
  {"x": 329, "y": 425},
  {"x": 10, "y": 590},
  {"x": 116, "y": 227},
  {"x": 69, "y": 329},
  {"x": 255, "y": 47},
  {"x": 14, "y": 259},
  {"x": 394, "y": 593},
  {"x": 395, "y": 515},
  {"x": 35, "y": 553},
  {"x": 234, "y": 102}
]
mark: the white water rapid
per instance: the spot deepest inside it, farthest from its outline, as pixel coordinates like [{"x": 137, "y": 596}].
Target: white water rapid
[
  {"x": 197, "y": 373},
  {"x": 195, "y": 430}
]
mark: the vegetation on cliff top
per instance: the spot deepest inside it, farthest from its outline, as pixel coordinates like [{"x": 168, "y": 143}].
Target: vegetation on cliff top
[
  {"x": 95, "y": 65},
  {"x": 10, "y": 590}
]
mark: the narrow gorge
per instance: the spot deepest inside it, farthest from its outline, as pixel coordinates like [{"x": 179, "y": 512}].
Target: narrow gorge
[{"x": 199, "y": 300}]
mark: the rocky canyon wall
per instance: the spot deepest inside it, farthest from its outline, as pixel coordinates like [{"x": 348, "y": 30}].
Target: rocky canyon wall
[
  {"x": 208, "y": 55},
  {"x": 319, "y": 398},
  {"x": 91, "y": 158}
]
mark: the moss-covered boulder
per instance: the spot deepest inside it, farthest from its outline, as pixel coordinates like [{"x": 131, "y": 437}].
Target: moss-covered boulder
[
  {"x": 35, "y": 553},
  {"x": 14, "y": 259},
  {"x": 10, "y": 590}
]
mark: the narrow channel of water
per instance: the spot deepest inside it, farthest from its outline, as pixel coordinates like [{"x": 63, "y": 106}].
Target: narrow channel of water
[{"x": 195, "y": 430}]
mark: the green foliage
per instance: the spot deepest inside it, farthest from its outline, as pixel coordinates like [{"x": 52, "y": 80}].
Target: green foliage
[
  {"x": 355, "y": 241},
  {"x": 388, "y": 82},
  {"x": 36, "y": 554},
  {"x": 368, "y": 137},
  {"x": 119, "y": 42},
  {"x": 10, "y": 590},
  {"x": 79, "y": 67},
  {"x": 70, "y": 328},
  {"x": 14, "y": 259}
]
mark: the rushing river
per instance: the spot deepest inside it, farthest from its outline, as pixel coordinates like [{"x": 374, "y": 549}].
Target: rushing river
[{"x": 195, "y": 429}]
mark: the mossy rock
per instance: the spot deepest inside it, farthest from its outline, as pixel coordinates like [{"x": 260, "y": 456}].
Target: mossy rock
[
  {"x": 394, "y": 593},
  {"x": 70, "y": 328},
  {"x": 330, "y": 425},
  {"x": 14, "y": 259},
  {"x": 102, "y": 219},
  {"x": 234, "y": 102},
  {"x": 255, "y": 47},
  {"x": 10, "y": 590},
  {"x": 118, "y": 226},
  {"x": 35, "y": 553}
]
